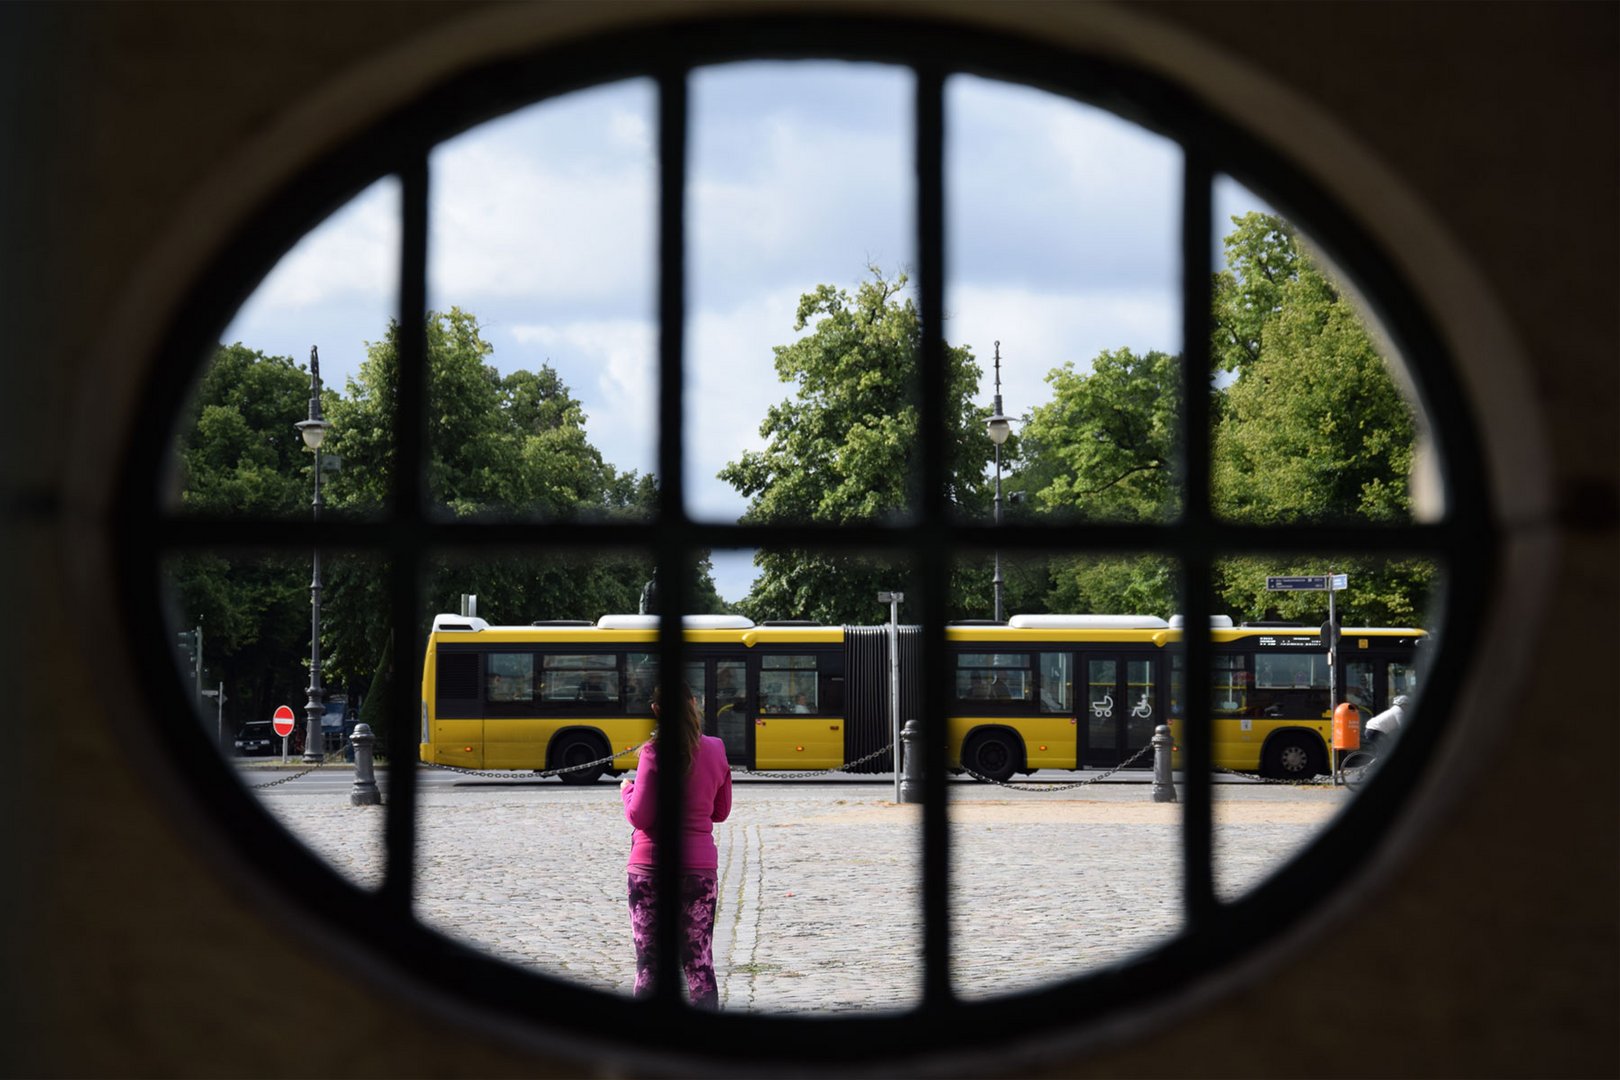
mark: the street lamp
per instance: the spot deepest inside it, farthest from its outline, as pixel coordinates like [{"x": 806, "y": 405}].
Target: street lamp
[
  {"x": 999, "y": 427},
  {"x": 314, "y": 432}
]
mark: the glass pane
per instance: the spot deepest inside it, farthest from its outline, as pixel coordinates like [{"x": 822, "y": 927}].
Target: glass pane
[
  {"x": 1064, "y": 263},
  {"x": 282, "y": 704},
  {"x": 1057, "y": 682},
  {"x": 1286, "y": 721},
  {"x": 1141, "y": 702},
  {"x": 789, "y": 684},
  {"x": 319, "y": 312},
  {"x": 1317, "y": 419},
  {"x": 800, "y": 353},
  {"x": 1101, "y": 686},
  {"x": 542, "y": 345},
  {"x": 509, "y": 677}
]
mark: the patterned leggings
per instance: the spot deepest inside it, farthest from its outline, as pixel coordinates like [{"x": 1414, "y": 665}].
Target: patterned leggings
[{"x": 699, "y": 899}]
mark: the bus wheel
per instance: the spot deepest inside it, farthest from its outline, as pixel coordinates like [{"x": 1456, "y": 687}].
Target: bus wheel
[
  {"x": 577, "y": 749},
  {"x": 1293, "y": 755},
  {"x": 993, "y": 755}
]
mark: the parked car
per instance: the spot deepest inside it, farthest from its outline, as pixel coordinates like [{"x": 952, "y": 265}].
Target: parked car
[{"x": 258, "y": 737}]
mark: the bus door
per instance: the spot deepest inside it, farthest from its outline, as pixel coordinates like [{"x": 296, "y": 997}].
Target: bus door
[
  {"x": 1120, "y": 709},
  {"x": 1372, "y": 682},
  {"x": 725, "y": 688}
]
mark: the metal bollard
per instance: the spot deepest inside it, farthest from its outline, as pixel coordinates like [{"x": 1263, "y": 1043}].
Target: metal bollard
[
  {"x": 911, "y": 785},
  {"x": 1164, "y": 788},
  {"x": 365, "y": 791}
]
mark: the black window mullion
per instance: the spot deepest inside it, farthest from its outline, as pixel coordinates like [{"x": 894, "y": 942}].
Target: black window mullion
[
  {"x": 934, "y": 518},
  {"x": 406, "y": 512},
  {"x": 673, "y": 527},
  {"x": 1198, "y": 891}
]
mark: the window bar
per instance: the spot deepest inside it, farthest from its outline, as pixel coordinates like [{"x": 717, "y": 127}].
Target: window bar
[
  {"x": 930, "y": 137},
  {"x": 409, "y": 420},
  {"x": 1198, "y": 889},
  {"x": 672, "y": 555}
]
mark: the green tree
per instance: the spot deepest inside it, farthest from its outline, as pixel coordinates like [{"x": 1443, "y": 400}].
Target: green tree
[
  {"x": 238, "y": 452},
  {"x": 510, "y": 446},
  {"x": 1312, "y": 428},
  {"x": 1103, "y": 448},
  {"x": 844, "y": 448},
  {"x": 1309, "y": 425}
]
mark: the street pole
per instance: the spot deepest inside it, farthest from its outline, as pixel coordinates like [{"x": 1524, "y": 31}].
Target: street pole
[
  {"x": 999, "y": 427},
  {"x": 894, "y": 599},
  {"x": 1333, "y": 671},
  {"x": 313, "y": 431},
  {"x": 197, "y": 674}
]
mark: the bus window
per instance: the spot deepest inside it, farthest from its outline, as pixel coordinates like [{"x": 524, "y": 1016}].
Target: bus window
[
  {"x": 509, "y": 677},
  {"x": 1292, "y": 685},
  {"x": 592, "y": 677},
  {"x": 1402, "y": 680},
  {"x": 1229, "y": 685},
  {"x": 1003, "y": 677},
  {"x": 1057, "y": 682},
  {"x": 640, "y": 677},
  {"x": 1358, "y": 686},
  {"x": 788, "y": 684}
]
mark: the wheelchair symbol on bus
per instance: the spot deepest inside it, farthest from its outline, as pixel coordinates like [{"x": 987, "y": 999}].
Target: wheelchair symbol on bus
[{"x": 1144, "y": 708}]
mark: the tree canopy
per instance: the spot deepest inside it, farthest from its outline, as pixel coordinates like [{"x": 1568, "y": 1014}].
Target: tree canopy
[
  {"x": 844, "y": 448},
  {"x": 1309, "y": 427},
  {"x": 505, "y": 446}
]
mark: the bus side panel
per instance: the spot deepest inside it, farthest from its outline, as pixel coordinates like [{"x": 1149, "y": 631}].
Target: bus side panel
[
  {"x": 459, "y": 743},
  {"x": 517, "y": 742},
  {"x": 525, "y": 742},
  {"x": 785, "y": 741},
  {"x": 1236, "y": 743},
  {"x": 1241, "y": 750},
  {"x": 1050, "y": 742}
]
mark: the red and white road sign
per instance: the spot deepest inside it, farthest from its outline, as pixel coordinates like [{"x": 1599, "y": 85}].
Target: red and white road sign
[{"x": 283, "y": 721}]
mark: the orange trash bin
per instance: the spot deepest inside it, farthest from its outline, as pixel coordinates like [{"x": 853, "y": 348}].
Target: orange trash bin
[{"x": 1346, "y": 727}]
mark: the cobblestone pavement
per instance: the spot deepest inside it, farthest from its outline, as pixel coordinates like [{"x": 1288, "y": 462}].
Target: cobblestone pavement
[{"x": 818, "y": 883}]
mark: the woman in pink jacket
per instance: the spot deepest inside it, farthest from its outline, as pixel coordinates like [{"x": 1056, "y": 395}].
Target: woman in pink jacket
[{"x": 708, "y": 800}]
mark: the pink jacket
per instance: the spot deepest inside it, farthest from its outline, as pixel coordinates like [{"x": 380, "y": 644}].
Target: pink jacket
[{"x": 708, "y": 800}]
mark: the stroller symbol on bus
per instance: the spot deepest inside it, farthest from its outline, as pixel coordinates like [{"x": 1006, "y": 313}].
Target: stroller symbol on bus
[{"x": 1105, "y": 707}]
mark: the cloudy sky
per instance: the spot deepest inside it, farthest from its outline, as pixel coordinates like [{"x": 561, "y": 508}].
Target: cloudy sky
[{"x": 1063, "y": 235}]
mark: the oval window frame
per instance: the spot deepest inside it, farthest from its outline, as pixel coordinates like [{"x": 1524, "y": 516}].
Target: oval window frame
[{"x": 381, "y": 923}]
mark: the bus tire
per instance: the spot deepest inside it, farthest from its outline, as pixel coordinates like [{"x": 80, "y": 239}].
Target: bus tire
[
  {"x": 576, "y": 748},
  {"x": 1293, "y": 755},
  {"x": 993, "y": 755}
]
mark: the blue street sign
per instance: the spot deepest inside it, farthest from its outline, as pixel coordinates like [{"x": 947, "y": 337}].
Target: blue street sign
[
  {"x": 1341, "y": 581},
  {"x": 1312, "y": 583}
]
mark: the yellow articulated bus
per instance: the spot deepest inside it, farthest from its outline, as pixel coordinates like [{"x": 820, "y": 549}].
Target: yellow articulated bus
[{"x": 1038, "y": 692}]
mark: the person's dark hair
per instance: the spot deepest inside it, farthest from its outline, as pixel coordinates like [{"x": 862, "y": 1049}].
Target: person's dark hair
[{"x": 686, "y": 727}]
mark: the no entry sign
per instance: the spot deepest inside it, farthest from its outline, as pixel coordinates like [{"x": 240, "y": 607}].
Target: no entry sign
[{"x": 283, "y": 721}]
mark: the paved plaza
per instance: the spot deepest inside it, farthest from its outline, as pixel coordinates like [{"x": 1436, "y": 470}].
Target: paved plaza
[{"x": 818, "y": 881}]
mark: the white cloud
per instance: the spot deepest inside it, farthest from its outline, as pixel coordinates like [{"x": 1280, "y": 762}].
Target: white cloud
[
  {"x": 354, "y": 254},
  {"x": 620, "y": 358},
  {"x": 1040, "y": 331},
  {"x": 731, "y": 382},
  {"x": 508, "y": 225}
]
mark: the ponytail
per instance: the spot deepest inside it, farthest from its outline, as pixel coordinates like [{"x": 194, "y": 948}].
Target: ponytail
[{"x": 684, "y": 728}]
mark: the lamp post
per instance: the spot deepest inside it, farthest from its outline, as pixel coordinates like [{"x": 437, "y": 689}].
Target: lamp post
[
  {"x": 999, "y": 427},
  {"x": 314, "y": 432}
]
